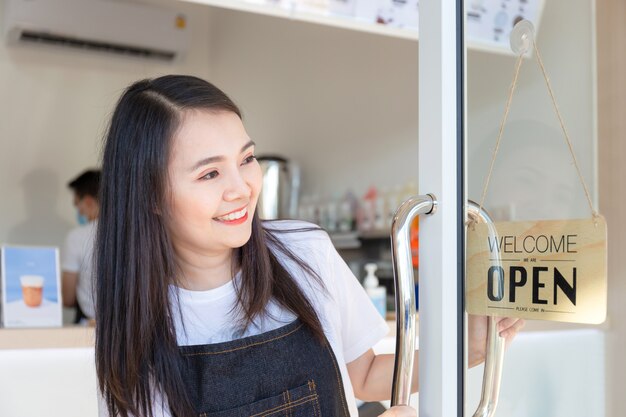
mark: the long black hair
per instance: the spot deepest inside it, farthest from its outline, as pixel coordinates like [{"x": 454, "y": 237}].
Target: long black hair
[{"x": 136, "y": 349}]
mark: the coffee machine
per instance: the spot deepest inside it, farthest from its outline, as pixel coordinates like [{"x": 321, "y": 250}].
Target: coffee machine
[{"x": 281, "y": 188}]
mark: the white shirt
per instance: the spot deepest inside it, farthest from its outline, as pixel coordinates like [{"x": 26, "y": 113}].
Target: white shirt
[
  {"x": 77, "y": 257},
  {"x": 351, "y": 323}
]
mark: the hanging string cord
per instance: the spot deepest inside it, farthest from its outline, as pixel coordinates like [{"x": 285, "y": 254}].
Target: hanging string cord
[
  {"x": 594, "y": 213},
  {"x": 561, "y": 122},
  {"x": 501, "y": 131}
]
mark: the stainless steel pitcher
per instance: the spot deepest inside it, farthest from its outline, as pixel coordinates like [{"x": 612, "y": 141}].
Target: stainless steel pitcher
[{"x": 281, "y": 188}]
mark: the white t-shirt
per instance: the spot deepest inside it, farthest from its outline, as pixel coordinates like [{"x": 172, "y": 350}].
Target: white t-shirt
[
  {"x": 351, "y": 323},
  {"x": 77, "y": 257}
]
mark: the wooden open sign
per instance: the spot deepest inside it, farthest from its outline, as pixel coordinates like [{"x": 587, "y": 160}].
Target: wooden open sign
[{"x": 545, "y": 270}]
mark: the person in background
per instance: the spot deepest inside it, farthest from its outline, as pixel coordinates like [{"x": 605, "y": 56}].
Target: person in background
[{"x": 77, "y": 253}]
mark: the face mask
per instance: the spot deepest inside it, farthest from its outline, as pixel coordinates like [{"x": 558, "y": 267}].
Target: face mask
[{"x": 82, "y": 220}]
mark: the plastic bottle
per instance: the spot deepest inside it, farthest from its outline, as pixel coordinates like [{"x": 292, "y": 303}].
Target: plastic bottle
[
  {"x": 380, "y": 211},
  {"x": 347, "y": 212},
  {"x": 322, "y": 212},
  {"x": 332, "y": 215},
  {"x": 305, "y": 209},
  {"x": 414, "y": 241},
  {"x": 376, "y": 292},
  {"x": 367, "y": 217},
  {"x": 394, "y": 199},
  {"x": 410, "y": 190},
  {"x": 315, "y": 210}
]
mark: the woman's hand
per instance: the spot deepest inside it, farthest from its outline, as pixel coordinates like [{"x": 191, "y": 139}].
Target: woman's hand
[
  {"x": 400, "y": 411},
  {"x": 477, "y": 335}
]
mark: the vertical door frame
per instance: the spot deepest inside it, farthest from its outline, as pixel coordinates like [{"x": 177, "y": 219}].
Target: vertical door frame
[{"x": 442, "y": 236}]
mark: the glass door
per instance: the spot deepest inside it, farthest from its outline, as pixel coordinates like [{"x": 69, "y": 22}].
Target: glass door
[
  {"x": 462, "y": 99},
  {"x": 534, "y": 178}
]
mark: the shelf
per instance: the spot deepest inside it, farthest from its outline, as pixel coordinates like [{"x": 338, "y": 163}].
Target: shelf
[
  {"x": 309, "y": 14},
  {"x": 353, "y": 240},
  {"x": 375, "y": 234}
]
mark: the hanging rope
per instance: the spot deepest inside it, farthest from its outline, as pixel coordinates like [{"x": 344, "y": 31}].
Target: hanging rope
[
  {"x": 562, "y": 123},
  {"x": 558, "y": 113},
  {"x": 518, "y": 66}
]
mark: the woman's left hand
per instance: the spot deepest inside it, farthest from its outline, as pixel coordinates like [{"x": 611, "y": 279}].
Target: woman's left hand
[{"x": 477, "y": 335}]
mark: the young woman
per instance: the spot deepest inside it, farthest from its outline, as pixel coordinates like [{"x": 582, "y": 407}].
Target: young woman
[{"x": 203, "y": 309}]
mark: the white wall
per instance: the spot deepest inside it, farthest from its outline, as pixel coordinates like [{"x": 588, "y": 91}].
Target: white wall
[{"x": 54, "y": 106}]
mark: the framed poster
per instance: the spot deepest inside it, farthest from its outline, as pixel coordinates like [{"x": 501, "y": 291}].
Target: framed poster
[{"x": 31, "y": 293}]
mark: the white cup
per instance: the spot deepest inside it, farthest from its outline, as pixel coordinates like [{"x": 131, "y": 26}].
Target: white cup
[{"x": 32, "y": 289}]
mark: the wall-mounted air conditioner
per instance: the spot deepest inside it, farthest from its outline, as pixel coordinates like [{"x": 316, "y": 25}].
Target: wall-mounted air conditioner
[{"x": 115, "y": 27}]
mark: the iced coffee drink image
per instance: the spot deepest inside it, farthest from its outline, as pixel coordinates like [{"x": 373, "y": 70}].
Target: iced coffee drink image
[{"x": 32, "y": 289}]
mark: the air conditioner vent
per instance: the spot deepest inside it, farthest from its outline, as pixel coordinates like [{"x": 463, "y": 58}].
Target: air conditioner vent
[
  {"x": 50, "y": 39},
  {"x": 121, "y": 28}
]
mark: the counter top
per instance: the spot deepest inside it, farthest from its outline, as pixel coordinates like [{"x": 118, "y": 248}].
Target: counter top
[
  {"x": 51, "y": 338},
  {"x": 83, "y": 336}
]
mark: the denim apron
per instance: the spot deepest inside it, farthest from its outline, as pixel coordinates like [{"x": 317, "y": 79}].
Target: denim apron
[{"x": 284, "y": 372}]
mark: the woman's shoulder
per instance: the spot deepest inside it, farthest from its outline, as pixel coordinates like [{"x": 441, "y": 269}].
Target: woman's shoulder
[
  {"x": 297, "y": 228},
  {"x": 298, "y": 233}
]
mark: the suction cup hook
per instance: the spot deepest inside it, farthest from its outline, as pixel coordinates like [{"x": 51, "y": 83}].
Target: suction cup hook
[{"x": 522, "y": 37}]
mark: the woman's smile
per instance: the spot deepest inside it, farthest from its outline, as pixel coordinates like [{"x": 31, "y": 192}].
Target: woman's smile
[{"x": 234, "y": 217}]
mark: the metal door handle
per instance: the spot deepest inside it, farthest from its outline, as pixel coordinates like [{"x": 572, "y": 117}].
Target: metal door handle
[
  {"x": 495, "y": 343},
  {"x": 405, "y": 294},
  {"x": 405, "y": 310}
]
